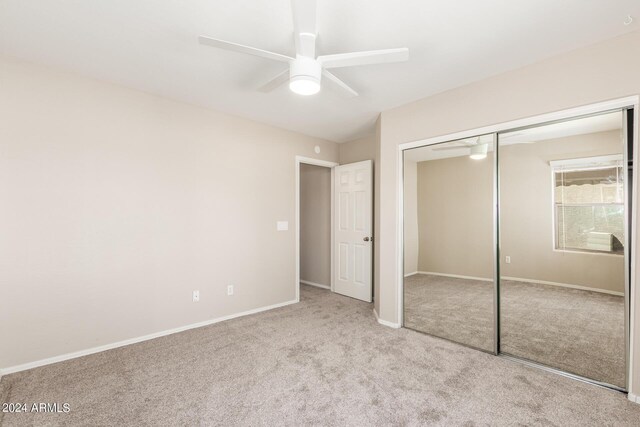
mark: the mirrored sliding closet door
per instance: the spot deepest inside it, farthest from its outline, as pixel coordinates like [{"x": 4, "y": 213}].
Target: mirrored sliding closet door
[
  {"x": 517, "y": 243},
  {"x": 449, "y": 240},
  {"x": 563, "y": 239}
]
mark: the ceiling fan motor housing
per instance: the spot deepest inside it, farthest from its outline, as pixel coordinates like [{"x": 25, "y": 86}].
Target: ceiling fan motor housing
[{"x": 305, "y": 68}]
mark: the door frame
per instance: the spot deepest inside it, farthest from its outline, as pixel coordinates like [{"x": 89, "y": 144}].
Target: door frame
[
  {"x": 596, "y": 108},
  {"x": 315, "y": 162}
]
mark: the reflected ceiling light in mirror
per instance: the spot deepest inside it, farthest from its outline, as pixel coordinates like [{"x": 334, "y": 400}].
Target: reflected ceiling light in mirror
[{"x": 479, "y": 151}]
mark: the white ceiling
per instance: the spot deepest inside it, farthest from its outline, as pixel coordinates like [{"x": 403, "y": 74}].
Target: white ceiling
[{"x": 152, "y": 45}]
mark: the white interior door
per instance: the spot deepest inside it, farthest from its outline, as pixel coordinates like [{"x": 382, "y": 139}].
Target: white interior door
[{"x": 353, "y": 237}]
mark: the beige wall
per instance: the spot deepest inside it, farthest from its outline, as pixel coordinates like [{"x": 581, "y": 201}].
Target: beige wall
[
  {"x": 410, "y": 225},
  {"x": 116, "y": 205},
  {"x": 315, "y": 224},
  {"x": 592, "y": 74},
  {"x": 357, "y": 150},
  {"x": 455, "y": 216},
  {"x": 526, "y": 225}
]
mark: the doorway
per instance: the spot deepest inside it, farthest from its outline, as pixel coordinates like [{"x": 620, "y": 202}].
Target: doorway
[
  {"x": 312, "y": 266},
  {"x": 349, "y": 212},
  {"x": 315, "y": 226}
]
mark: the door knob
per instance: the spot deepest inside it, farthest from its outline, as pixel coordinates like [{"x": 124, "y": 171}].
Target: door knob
[{"x": 366, "y": 239}]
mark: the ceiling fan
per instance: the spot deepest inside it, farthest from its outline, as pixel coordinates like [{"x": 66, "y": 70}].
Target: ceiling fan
[
  {"x": 306, "y": 69},
  {"x": 479, "y": 146}
]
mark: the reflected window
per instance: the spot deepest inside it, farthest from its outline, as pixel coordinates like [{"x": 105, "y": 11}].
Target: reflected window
[{"x": 589, "y": 204}]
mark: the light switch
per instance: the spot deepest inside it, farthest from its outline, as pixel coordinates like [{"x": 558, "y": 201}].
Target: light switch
[{"x": 282, "y": 225}]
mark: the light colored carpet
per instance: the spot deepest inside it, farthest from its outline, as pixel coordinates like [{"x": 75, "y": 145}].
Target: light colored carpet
[
  {"x": 574, "y": 330},
  {"x": 456, "y": 309},
  {"x": 324, "y": 361}
]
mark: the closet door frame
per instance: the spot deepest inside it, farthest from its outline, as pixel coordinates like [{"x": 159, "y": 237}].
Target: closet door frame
[{"x": 625, "y": 105}]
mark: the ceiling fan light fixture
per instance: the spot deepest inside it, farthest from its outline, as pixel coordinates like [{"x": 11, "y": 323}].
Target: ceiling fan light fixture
[
  {"x": 479, "y": 151},
  {"x": 304, "y": 76},
  {"x": 304, "y": 85}
]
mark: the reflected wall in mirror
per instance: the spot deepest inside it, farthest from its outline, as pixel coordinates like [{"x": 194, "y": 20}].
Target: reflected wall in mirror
[
  {"x": 449, "y": 240},
  {"x": 562, "y": 244}
]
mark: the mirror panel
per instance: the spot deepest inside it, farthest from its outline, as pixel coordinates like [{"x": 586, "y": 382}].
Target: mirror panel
[
  {"x": 562, "y": 244},
  {"x": 449, "y": 240}
]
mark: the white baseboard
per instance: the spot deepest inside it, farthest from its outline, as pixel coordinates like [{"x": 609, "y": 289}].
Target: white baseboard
[
  {"x": 411, "y": 274},
  {"x": 520, "y": 279},
  {"x": 76, "y": 354},
  {"x": 385, "y": 322},
  {"x": 634, "y": 398},
  {"x": 456, "y": 276},
  {"x": 564, "y": 285},
  {"x": 317, "y": 285}
]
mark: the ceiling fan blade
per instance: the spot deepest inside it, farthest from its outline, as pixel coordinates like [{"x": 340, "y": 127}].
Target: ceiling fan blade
[
  {"x": 278, "y": 80},
  {"x": 339, "y": 84},
  {"x": 364, "y": 58},
  {"x": 221, "y": 44},
  {"x": 304, "y": 27}
]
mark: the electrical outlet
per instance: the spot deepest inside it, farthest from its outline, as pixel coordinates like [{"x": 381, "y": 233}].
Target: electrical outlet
[
  {"x": 230, "y": 290},
  {"x": 507, "y": 259},
  {"x": 196, "y": 296}
]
